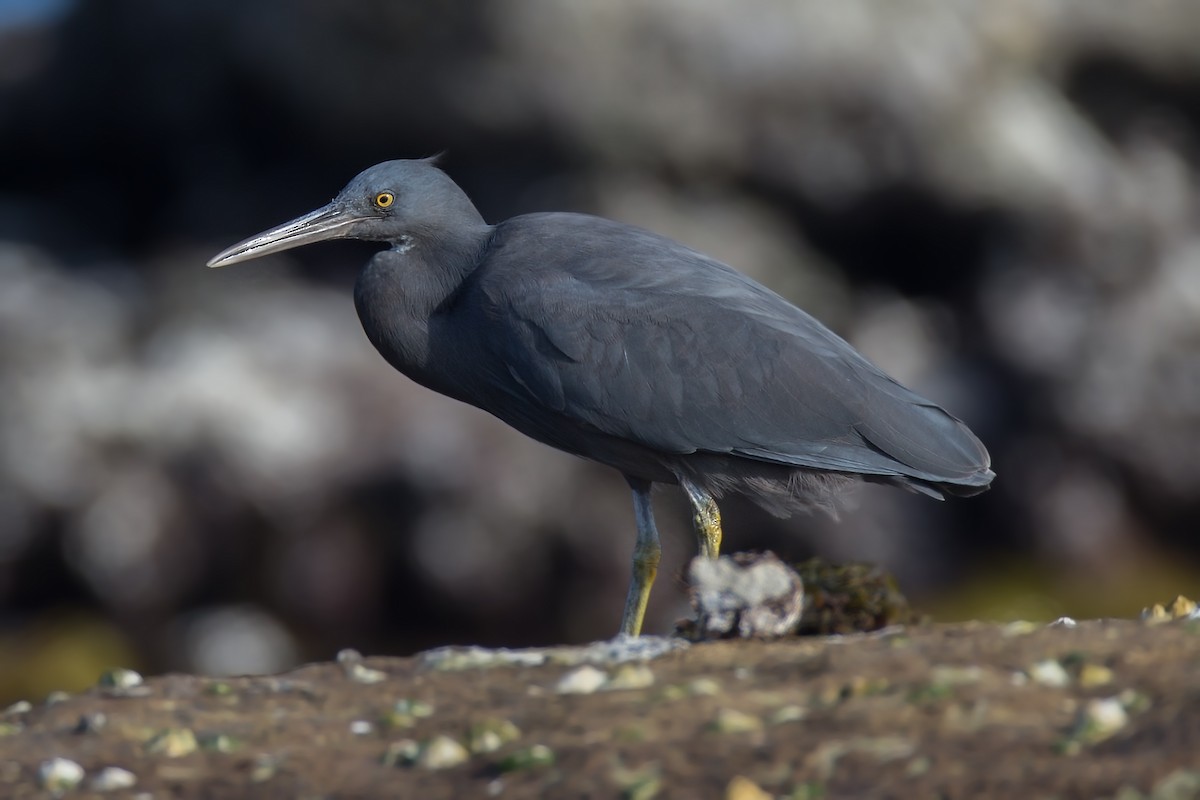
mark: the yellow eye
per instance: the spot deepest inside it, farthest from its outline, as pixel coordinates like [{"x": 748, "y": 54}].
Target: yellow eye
[{"x": 384, "y": 199}]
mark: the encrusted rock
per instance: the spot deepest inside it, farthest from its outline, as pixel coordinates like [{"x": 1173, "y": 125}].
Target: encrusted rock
[{"x": 745, "y": 595}]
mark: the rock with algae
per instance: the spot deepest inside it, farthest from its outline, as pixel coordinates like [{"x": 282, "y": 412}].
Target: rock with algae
[{"x": 850, "y": 598}]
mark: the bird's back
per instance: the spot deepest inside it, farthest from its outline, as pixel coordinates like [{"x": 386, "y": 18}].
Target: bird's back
[{"x": 624, "y": 346}]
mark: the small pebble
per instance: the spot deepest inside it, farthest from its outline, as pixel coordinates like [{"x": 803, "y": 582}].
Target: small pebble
[
  {"x": 730, "y": 720},
  {"x": 918, "y": 766},
  {"x": 416, "y": 708},
  {"x": 442, "y": 752},
  {"x": 19, "y": 707},
  {"x": 111, "y": 779},
  {"x": 404, "y": 752},
  {"x": 59, "y": 775},
  {"x": 671, "y": 692},
  {"x": 1063, "y": 622},
  {"x": 630, "y": 676},
  {"x": 360, "y": 727},
  {"x": 173, "y": 743},
  {"x": 581, "y": 680},
  {"x": 792, "y": 713},
  {"x": 1155, "y": 614},
  {"x": 527, "y": 758},
  {"x": 1092, "y": 675},
  {"x": 1182, "y": 783},
  {"x": 1102, "y": 718},
  {"x": 647, "y": 789},
  {"x": 643, "y": 783},
  {"x": 1049, "y": 673},
  {"x": 348, "y": 656},
  {"x": 1134, "y": 701},
  {"x": 351, "y": 662},
  {"x": 56, "y": 697},
  {"x": 484, "y": 742},
  {"x": 1019, "y": 627},
  {"x": 361, "y": 673},
  {"x": 120, "y": 678},
  {"x": 490, "y": 735},
  {"x": 91, "y": 723},
  {"x": 1183, "y": 607},
  {"x": 405, "y": 713},
  {"x": 742, "y": 788},
  {"x": 956, "y": 675},
  {"x": 704, "y": 687},
  {"x": 265, "y": 767},
  {"x": 220, "y": 743}
]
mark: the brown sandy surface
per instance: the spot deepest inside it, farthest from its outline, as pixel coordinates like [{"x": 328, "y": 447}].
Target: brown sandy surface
[{"x": 1102, "y": 709}]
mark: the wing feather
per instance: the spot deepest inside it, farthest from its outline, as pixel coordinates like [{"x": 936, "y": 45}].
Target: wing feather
[{"x": 612, "y": 329}]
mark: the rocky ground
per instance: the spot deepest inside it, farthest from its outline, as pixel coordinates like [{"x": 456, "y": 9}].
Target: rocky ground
[
  {"x": 214, "y": 472},
  {"x": 1104, "y": 708}
]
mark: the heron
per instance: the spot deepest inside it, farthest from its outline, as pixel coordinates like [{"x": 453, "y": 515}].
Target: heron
[{"x": 625, "y": 347}]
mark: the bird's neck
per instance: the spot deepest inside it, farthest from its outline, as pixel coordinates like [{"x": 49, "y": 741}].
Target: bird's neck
[{"x": 401, "y": 292}]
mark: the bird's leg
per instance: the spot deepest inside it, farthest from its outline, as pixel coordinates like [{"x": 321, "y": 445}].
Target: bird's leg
[
  {"x": 646, "y": 554},
  {"x": 707, "y": 518}
]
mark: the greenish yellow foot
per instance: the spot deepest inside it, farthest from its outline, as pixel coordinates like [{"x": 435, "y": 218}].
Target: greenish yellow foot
[
  {"x": 706, "y": 517},
  {"x": 646, "y": 555},
  {"x": 645, "y": 569}
]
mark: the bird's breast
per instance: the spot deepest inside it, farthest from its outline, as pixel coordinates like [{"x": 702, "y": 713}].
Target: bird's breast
[{"x": 398, "y": 331}]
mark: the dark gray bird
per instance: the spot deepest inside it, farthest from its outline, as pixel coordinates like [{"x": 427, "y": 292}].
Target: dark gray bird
[{"x": 625, "y": 347}]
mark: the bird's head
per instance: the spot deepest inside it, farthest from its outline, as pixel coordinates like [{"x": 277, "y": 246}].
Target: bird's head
[{"x": 399, "y": 202}]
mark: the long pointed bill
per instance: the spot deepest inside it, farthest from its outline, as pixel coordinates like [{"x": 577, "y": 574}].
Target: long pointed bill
[{"x": 331, "y": 222}]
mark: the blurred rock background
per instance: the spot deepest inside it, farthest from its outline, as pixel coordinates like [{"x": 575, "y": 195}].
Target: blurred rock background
[{"x": 213, "y": 470}]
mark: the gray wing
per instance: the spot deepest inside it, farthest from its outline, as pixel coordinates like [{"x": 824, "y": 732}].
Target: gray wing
[{"x": 645, "y": 340}]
